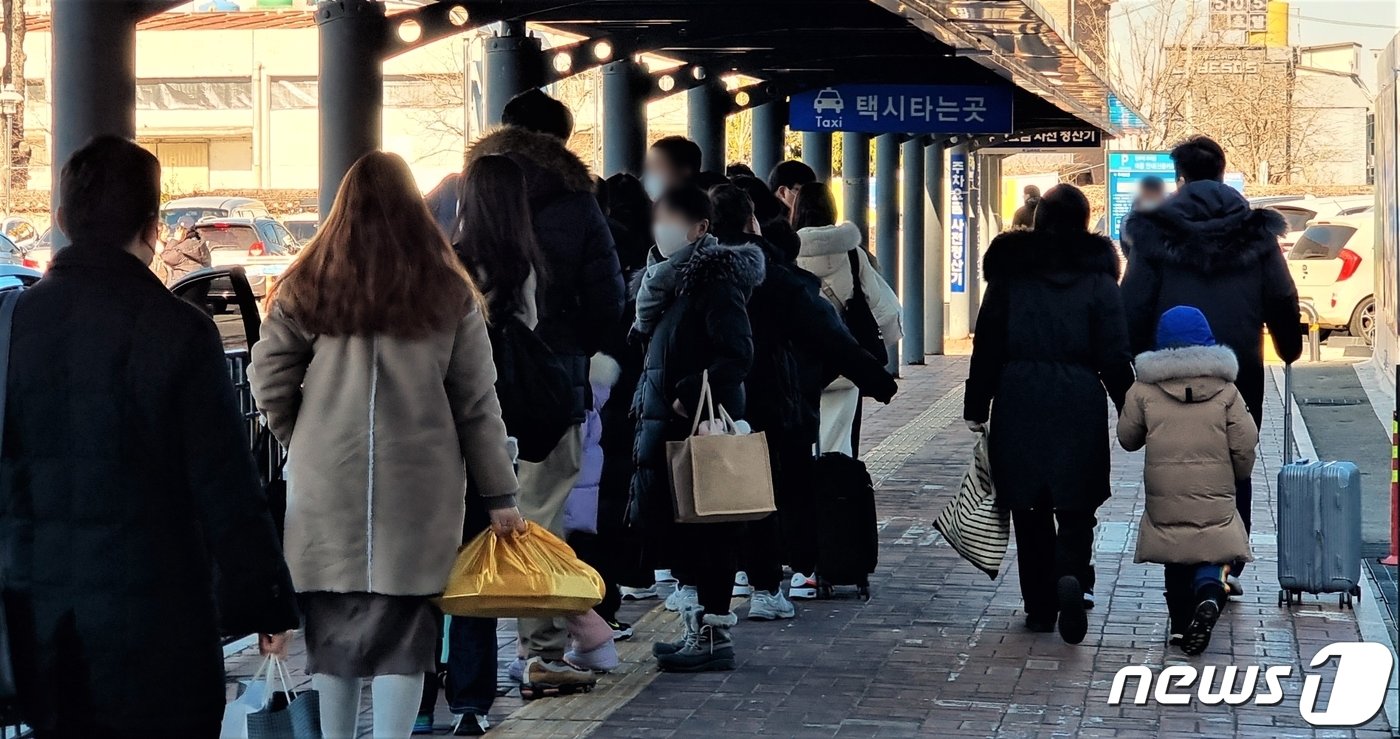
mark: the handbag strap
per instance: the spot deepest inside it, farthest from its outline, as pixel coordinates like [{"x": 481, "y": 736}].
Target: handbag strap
[
  {"x": 706, "y": 401},
  {"x": 854, "y": 257},
  {"x": 8, "y": 299}
]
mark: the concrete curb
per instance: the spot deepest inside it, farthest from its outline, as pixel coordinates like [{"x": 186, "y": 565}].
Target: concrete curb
[{"x": 1369, "y": 620}]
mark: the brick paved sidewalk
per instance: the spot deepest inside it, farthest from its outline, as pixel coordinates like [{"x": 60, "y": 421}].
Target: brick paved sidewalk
[{"x": 940, "y": 649}]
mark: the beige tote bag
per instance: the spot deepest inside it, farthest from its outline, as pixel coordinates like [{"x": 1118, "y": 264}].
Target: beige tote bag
[{"x": 722, "y": 476}]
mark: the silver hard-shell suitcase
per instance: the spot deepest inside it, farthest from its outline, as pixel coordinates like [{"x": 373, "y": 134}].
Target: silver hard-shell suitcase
[{"x": 1319, "y": 522}]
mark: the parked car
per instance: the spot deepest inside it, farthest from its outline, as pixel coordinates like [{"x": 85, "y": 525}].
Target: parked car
[
  {"x": 19, "y": 230},
  {"x": 1333, "y": 265},
  {"x": 1302, "y": 212},
  {"x": 201, "y": 208},
  {"x": 302, "y": 225},
  {"x": 262, "y": 246}
]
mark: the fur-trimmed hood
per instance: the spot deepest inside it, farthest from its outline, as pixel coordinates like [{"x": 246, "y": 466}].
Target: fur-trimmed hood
[
  {"x": 743, "y": 265},
  {"x": 1041, "y": 253},
  {"x": 824, "y": 241},
  {"x": 1206, "y": 225},
  {"x": 1190, "y": 374},
  {"x": 550, "y": 168}
]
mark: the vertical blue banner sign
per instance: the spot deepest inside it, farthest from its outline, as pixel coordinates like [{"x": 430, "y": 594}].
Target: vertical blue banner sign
[{"x": 957, "y": 222}]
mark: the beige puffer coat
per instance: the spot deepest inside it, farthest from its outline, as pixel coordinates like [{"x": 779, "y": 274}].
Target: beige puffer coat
[
  {"x": 1200, "y": 438},
  {"x": 380, "y": 433}
]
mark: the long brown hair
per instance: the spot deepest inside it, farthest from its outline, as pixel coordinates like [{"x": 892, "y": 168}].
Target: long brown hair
[
  {"x": 379, "y": 264},
  {"x": 495, "y": 235}
]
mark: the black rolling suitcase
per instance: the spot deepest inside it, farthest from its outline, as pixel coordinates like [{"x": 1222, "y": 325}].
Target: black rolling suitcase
[{"x": 847, "y": 539}]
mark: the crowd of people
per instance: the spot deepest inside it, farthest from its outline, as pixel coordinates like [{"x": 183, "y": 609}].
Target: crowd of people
[{"x": 375, "y": 370}]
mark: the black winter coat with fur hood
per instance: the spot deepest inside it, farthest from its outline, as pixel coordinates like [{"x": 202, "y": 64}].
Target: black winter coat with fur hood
[
  {"x": 1050, "y": 339},
  {"x": 706, "y": 328},
  {"x": 582, "y": 292},
  {"x": 1205, "y": 247}
]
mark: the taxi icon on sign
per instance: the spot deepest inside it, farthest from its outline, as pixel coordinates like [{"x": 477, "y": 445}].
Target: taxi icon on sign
[{"x": 828, "y": 101}]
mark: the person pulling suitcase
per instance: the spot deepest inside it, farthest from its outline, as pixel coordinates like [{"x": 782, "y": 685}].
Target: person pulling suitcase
[{"x": 1187, "y": 412}]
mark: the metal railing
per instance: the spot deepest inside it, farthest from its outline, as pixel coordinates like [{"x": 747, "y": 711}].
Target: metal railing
[{"x": 1309, "y": 316}]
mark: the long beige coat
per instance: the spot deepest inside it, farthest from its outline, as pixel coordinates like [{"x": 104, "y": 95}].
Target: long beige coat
[
  {"x": 380, "y": 432},
  {"x": 1200, "y": 438}
]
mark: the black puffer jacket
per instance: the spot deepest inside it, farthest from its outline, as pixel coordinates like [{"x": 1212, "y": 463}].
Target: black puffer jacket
[
  {"x": 1050, "y": 339},
  {"x": 795, "y": 330},
  {"x": 706, "y": 328},
  {"x": 126, "y": 477},
  {"x": 1205, "y": 247},
  {"x": 583, "y": 292}
]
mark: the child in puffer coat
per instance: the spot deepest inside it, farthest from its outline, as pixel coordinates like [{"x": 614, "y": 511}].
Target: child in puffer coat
[
  {"x": 1200, "y": 438},
  {"x": 593, "y": 632}
]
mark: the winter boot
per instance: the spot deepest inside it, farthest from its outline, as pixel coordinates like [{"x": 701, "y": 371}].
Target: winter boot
[
  {"x": 671, "y": 647},
  {"x": 1197, "y": 635},
  {"x": 706, "y": 645}
]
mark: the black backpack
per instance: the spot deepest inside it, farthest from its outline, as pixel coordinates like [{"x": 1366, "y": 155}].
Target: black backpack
[
  {"x": 860, "y": 320},
  {"x": 535, "y": 391}
]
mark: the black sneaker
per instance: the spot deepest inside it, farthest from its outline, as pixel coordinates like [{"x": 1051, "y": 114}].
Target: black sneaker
[
  {"x": 621, "y": 631},
  {"x": 1088, "y": 601},
  {"x": 470, "y": 724},
  {"x": 1040, "y": 624},
  {"x": 1074, "y": 623}
]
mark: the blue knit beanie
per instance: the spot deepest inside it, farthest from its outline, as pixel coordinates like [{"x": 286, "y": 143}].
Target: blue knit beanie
[{"x": 1183, "y": 326}]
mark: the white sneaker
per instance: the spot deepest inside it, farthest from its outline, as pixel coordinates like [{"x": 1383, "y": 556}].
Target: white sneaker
[
  {"x": 685, "y": 595},
  {"x": 629, "y": 593},
  {"x": 602, "y": 659},
  {"x": 767, "y": 606},
  {"x": 802, "y": 586},
  {"x": 516, "y": 670},
  {"x": 666, "y": 583},
  {"x": 742, "y": 588}
]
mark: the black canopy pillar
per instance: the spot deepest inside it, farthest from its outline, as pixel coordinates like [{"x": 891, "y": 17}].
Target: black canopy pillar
[
  {"x": 769, "y": 127},
  {"x": 514, "y": 63},
  {"x": 707, "y": 106},
  {"x": 625, "y": 86},
  {"x": 353, "y": 36},
  {"x": 94, "y": 75},
  {"x": 816, "y": 153}
]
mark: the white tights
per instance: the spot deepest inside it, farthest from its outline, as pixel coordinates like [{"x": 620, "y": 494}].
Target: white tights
[{"x": 396, "y": 699}]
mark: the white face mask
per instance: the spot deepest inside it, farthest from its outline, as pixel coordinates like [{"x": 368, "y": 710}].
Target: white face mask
[
  {"x": 653, "y": 185},
  {"x": 670, "y": 237}
]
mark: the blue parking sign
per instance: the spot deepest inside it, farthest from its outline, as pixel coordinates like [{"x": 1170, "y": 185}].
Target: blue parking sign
[
  {"x": 903, "y": 109},
  {"x": 1126, "y": 170}
]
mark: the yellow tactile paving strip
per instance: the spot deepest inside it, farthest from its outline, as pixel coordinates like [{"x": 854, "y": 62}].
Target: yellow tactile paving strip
[{"x": 582, "y": 714}]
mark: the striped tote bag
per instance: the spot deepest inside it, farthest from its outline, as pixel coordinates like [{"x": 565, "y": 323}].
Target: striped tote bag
[{"x": 973, "y": 523}]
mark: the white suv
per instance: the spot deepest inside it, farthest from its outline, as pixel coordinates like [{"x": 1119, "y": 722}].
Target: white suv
[{"x": 1333, "y": 265}]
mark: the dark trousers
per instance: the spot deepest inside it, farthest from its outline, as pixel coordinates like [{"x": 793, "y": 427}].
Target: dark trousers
[
  {"x": 1244, "y": 489},
  {"x": 1049, "y": 545},
  {"x": 709, "y": 552},
  {"x": 470, "y": 668},
  {"x": 1187, "y": 585},
  {"x": 603, "y": 553},
  {"x": 471, "y": 644},
  {"x": 790, "y": 534}
]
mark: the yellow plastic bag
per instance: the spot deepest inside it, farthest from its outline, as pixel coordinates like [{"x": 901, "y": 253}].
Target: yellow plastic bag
[{"x": 533, "y": 574}]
